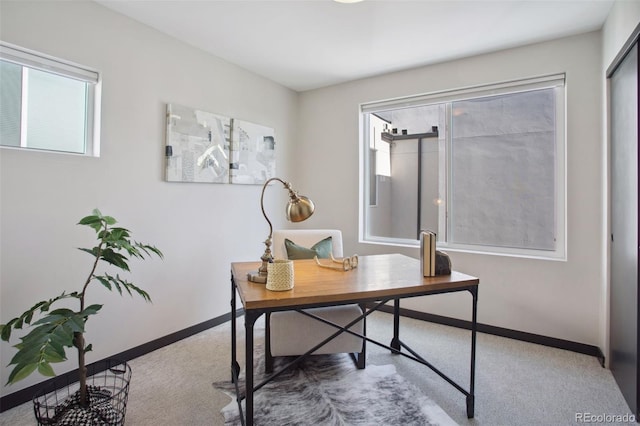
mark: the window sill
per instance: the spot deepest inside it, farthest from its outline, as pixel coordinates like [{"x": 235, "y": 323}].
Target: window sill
[{"x": 486, "y": 251}]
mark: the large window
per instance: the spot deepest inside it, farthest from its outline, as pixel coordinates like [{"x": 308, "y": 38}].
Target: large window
[
  {"x": 482, "y": 167},
  {"x": 47, "y": 104}
]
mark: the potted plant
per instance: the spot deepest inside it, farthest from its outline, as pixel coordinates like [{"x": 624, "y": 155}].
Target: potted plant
[{"x": 55, "y": 330}]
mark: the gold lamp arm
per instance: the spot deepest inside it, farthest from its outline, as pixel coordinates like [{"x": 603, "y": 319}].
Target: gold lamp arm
[{"x": 264, "y": 213}]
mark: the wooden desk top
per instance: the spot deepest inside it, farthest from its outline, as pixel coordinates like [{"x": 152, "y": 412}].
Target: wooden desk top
[{"x": 376, "y": 277}]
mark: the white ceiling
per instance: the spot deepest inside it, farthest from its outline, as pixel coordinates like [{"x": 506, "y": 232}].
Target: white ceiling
[{"x": 306, "y": 44}]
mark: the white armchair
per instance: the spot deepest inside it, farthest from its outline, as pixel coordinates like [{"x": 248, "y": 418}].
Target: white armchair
[{"x": 292, "y": 333}]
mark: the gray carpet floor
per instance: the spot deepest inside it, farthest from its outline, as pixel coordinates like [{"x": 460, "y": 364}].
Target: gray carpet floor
[{"x": 517, "y": 383}]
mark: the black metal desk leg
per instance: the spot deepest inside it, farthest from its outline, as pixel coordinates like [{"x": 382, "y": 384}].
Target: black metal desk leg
[
  {"x": 249, "y": 321},
  {"x": 268, "y": 358},
  {"x": 395, "y": 342},
  {"x": 361, "y": 358},
  {"x": 235, "y": 367},
  {"x": 474, "y": 328}
]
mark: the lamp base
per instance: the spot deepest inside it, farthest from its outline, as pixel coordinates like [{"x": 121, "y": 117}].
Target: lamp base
[{"x": 257, "y": 278}]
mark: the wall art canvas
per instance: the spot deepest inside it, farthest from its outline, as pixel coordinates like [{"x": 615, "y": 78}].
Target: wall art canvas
[
  {"x": 197, "y": 147},
  {"x": 253, "y": 159},
  {"x": 206, "y": 147}
]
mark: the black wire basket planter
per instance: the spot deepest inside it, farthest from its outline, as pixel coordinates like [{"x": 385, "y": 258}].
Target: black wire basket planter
[{"x": 107, "y": 390}]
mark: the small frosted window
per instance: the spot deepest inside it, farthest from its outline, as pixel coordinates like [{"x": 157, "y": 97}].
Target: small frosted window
[{"x": 47, "y": 103}]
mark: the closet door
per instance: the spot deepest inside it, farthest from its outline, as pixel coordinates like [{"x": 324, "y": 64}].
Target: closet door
[{"x": 624, "y": 227}]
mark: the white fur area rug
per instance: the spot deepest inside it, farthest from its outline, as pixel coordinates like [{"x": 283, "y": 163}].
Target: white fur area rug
[{"x": 329, "y": 390}]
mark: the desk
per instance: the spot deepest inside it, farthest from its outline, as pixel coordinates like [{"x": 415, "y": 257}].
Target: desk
[{"x": 379, "y": 279}]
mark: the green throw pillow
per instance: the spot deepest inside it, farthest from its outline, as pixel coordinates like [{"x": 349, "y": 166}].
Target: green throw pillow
[{"x": 322, "y": 249}]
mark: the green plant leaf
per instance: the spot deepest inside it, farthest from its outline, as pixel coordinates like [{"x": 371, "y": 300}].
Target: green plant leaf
[
  {"x": 45, "y": 369},
  {"x": 51, "y": 355},
  {"x": 148, "y": 249},
  {"x": 59, "y": 339},
  {"x": 25, "y": 355},
  {"x": 114, "y": 258},
  {"x": 94, "y": 221},
  {"x": 76, "y": 323},
  {"x": 37, "y": 335},
  {"x": 5, "y": 330},
  {"x": 57, "y": 315},
  {"x": 28, "y": 316},
  {"x": 43, "y": 345},
  {"x": 20, "y": 372},
  {"x": 57, "y": 348},
  {"x": 88, "y": 220},
  {"x": 90, "y": 310},
  {"x": 62, "y": 335},
  {"x": 109, "y": 220},
  {"x": 117, "y": 286},
  {"x": 124, "y": 284},
  {"x": 118, "y": 235},
  {"x": 104, "y": 281},
  {"x": 90, "y": 251},
  {"x": 140, "y": 291}
]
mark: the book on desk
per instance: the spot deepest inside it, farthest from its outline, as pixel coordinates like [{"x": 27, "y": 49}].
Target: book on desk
[{"x": 428, "y": 253}]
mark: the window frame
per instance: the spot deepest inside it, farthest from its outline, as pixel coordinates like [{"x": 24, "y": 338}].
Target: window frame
[
  {"x": 30, "y": 59},
  {"x": 556, "y": 81}
]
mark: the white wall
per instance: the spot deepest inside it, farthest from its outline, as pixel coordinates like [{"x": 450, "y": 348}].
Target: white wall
[
  {"x": 552, "y": 298},
  {"x": 623, "y": 18},
  {"x": 200, "y": 227}
]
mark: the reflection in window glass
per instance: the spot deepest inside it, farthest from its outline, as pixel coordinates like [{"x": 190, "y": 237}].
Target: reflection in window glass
[
  {"x": 57, "y": 125},
  {"x": 503, "y": 171},
  {"x": 10, "y": 99},
  {"x": 490, "y": 177}
]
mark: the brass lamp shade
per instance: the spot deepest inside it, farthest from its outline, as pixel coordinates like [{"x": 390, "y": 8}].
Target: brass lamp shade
[{"x": 299, "y": 208}]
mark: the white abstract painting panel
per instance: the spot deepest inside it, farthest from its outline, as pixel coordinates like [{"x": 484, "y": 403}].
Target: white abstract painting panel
[
  {"x": 253, "y": 159},
  {"x": 198, "y": 145}
]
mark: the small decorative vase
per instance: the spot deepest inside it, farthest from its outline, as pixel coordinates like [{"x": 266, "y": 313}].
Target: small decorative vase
[{"x": 280, "y": 275}]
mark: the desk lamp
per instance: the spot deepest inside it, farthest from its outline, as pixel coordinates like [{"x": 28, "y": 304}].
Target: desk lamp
[{"x": 299, "y": 208}]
